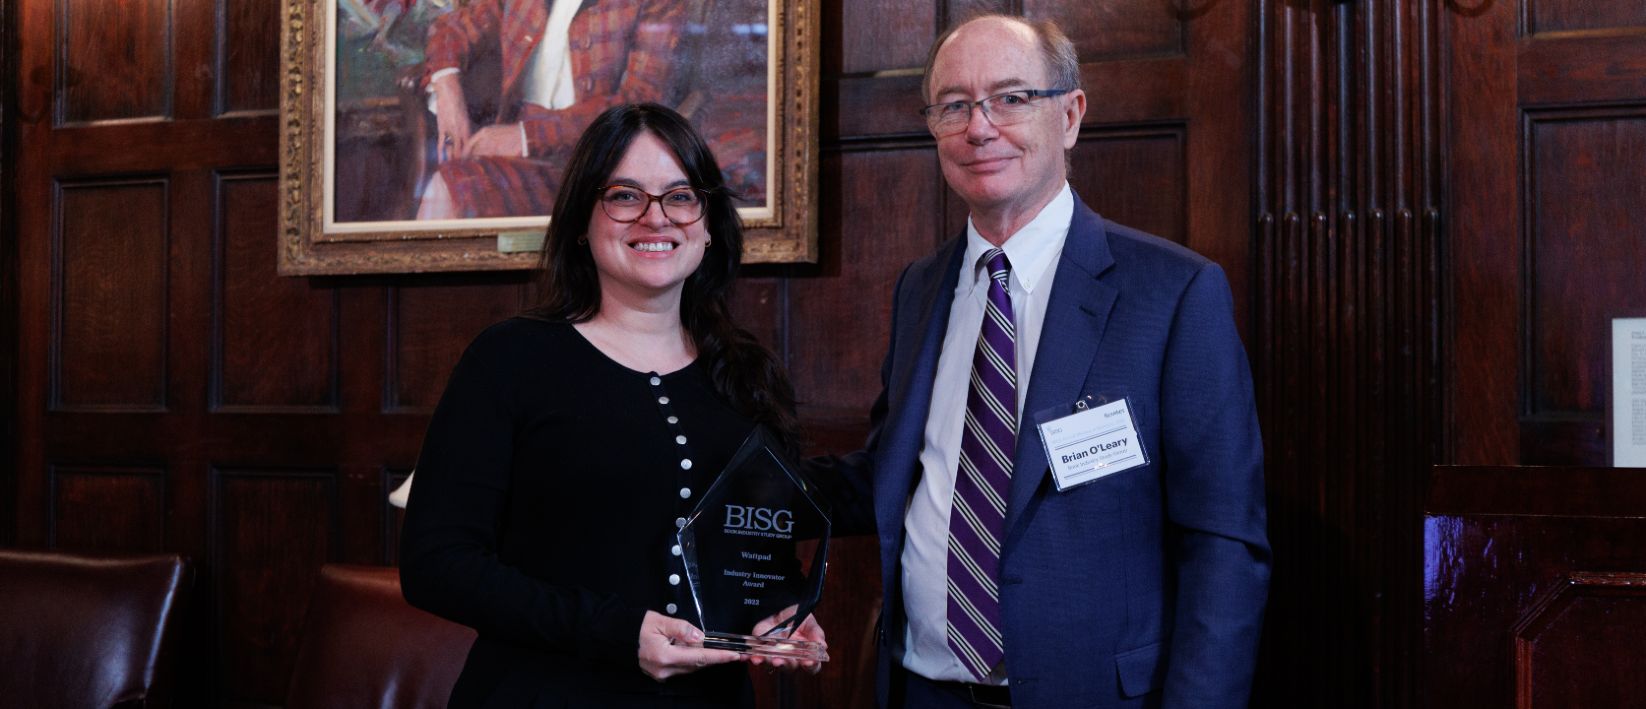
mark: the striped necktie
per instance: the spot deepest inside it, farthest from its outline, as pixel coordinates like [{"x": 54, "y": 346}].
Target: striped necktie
[{"x": 978, "y": 517}]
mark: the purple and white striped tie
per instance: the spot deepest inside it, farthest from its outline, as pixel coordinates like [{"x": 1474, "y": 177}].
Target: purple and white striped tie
[{"x": 978, "y": 517}]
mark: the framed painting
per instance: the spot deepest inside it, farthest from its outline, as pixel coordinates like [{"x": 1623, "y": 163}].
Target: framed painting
[{"x": 430, "y": 135}]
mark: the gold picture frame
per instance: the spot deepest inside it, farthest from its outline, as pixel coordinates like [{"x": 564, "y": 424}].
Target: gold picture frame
[{"x": 356, "y": 150}]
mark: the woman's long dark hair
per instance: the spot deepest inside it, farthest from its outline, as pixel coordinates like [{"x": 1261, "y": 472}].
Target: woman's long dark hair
[{"x": 743, "y": 372}]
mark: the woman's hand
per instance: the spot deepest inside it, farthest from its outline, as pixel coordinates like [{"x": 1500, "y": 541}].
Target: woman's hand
[
  {"x": 807, "y": 630},
  {"x": 451, "y": 115},
  {"x": 661, "y": 658}
]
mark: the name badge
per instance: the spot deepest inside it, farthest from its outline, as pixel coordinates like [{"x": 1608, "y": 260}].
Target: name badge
[{"x": 1091, "y": 443}]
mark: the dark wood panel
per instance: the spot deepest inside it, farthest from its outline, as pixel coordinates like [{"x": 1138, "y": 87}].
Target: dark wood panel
[
  {"x": 109, "y": 336},
  {"x": 271, "y": 531},
  {"x": 1584, "y": 258},
  {"x": 1534, "y": 491},
  {"x": 1222, "y": 107},
  {"x": 758, "y": 304},
  {"x": 156, "y": 146},
  {"x": 116, "y": 60},
  {"x": 393, "y": 516},
  {"x": 1574, "y": 15},
  {"x": 275, "y": 339},
  {"x": 429, "y": 327},
  {"x": 195, "y": 230},
  {"x": 1344, "y": 302},
  {"x": 108, "y": 509},
  {"x": 1136, "y": 178},
  {"x": 1530, "y": 384},
  {"x": 887, "y": 215},
  {"x": 877, "y": 36},
  {"x": 956, "y": 11},
  {"x": 1561, "y": 440},
  {"x": 1580, "y": 69},
  {"x": 304, "y": 440},
  {"x": 1483, "y": 169},
  {"x": 872, "y": 106},
  {"x": 1507, "y": 552},
  {"x": 248, "y": 56},
  {"x": 1110, "y": 29},
  {"x": 1139, "y": 90},
  {"x": 10, "y": 450},
  {"x": 1589, "y": 617},
  {"x": 1118, "y": 92}
]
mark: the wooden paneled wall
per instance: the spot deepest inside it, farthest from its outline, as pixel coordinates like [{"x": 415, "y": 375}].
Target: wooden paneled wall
[
  {"x": 175, "y": 394},
  {"x": 8, "y": 280},
  {"x": 1548, "y": 244},
  {"x": 1348, "y": 250},
  {"x": 1424, "y": 209},
  {"x": 1531, "y": 586}
]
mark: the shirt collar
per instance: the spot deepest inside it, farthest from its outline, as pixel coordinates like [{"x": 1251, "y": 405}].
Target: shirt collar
[{"x": 1032, "y": 248}]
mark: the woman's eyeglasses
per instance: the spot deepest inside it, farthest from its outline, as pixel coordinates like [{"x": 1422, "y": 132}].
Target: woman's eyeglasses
[{"x": 682, "y": 206}]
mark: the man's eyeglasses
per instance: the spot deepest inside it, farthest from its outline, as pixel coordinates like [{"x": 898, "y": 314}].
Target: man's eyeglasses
[
  {"x": 1002, "y": 109},
  {"x": 683, "y": 206}
]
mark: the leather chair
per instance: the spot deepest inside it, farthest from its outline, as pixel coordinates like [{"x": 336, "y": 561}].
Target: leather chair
[
  {"x": 364, "y": 646},
  {"x": 84, "y": 631}
]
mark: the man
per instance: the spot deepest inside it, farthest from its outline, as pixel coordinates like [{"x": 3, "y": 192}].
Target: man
[{"x": 1139, "y": 584}]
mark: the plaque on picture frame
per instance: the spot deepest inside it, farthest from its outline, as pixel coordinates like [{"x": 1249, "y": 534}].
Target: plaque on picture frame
[{"x": 739, "y": 546}]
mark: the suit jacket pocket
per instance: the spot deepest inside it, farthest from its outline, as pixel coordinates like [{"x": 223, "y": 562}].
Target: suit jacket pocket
[{"x": 1142, "y": 670}]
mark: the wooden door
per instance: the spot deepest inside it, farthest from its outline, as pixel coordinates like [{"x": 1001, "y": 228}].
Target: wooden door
[
  {"x": 1548, "y": 137},
  {"x": 173, "y": 393}
]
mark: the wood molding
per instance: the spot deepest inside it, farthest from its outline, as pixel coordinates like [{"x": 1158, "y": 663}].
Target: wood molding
[
  {"x": 1348, "y": 339},
  {"x": 10, "y": 341},
  {"x": 1548, "y": 611}
]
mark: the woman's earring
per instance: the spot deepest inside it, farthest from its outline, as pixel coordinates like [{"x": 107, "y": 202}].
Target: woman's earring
[{"x": 582, "y": 241}]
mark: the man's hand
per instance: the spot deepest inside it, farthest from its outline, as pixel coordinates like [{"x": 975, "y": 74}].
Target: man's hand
[
  {"x": 661, "y": 658},
  {"x": 808, "y": 630},
  {"x": 500, "y": 140},
  {"x": 451, "y": 115}
]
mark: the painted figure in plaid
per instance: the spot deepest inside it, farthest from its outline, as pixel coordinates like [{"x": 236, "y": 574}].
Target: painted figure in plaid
[
  {"x": 559, "y": 63},
  {"x": 1141, "y": 588}
]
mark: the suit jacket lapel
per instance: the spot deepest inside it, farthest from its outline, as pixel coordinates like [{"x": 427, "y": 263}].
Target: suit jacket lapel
[
  {"x": 1076, "y": 316},
  {"x": 522, "y": 28},
  {"x": 922, "y": 321}
]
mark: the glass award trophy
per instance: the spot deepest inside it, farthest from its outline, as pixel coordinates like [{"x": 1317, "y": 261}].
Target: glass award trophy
[{"x": 739, "y": 550}]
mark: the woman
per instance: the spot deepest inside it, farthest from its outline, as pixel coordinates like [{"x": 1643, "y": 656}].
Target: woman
[{"x": 570, "y": 442}]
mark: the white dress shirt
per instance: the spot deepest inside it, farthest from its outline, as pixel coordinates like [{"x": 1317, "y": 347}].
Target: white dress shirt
[
  {"x": 548, "y": 81},
  {"x": 1033, "y": 253}
]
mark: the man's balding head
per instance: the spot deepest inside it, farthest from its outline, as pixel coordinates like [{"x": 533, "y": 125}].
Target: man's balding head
[{"x": 1057, "y": 53}]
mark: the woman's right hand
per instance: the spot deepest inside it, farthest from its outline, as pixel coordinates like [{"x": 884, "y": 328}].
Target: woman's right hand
[
  {"x": 661, "y": 658},
  {"x": 451, "y": 115}
]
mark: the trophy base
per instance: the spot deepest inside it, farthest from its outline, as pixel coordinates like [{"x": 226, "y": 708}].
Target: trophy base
[{"x": 786, "y": 648}]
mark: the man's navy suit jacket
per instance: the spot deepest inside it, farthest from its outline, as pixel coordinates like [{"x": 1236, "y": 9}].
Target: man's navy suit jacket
[{"x": 1146, "y": 587}]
